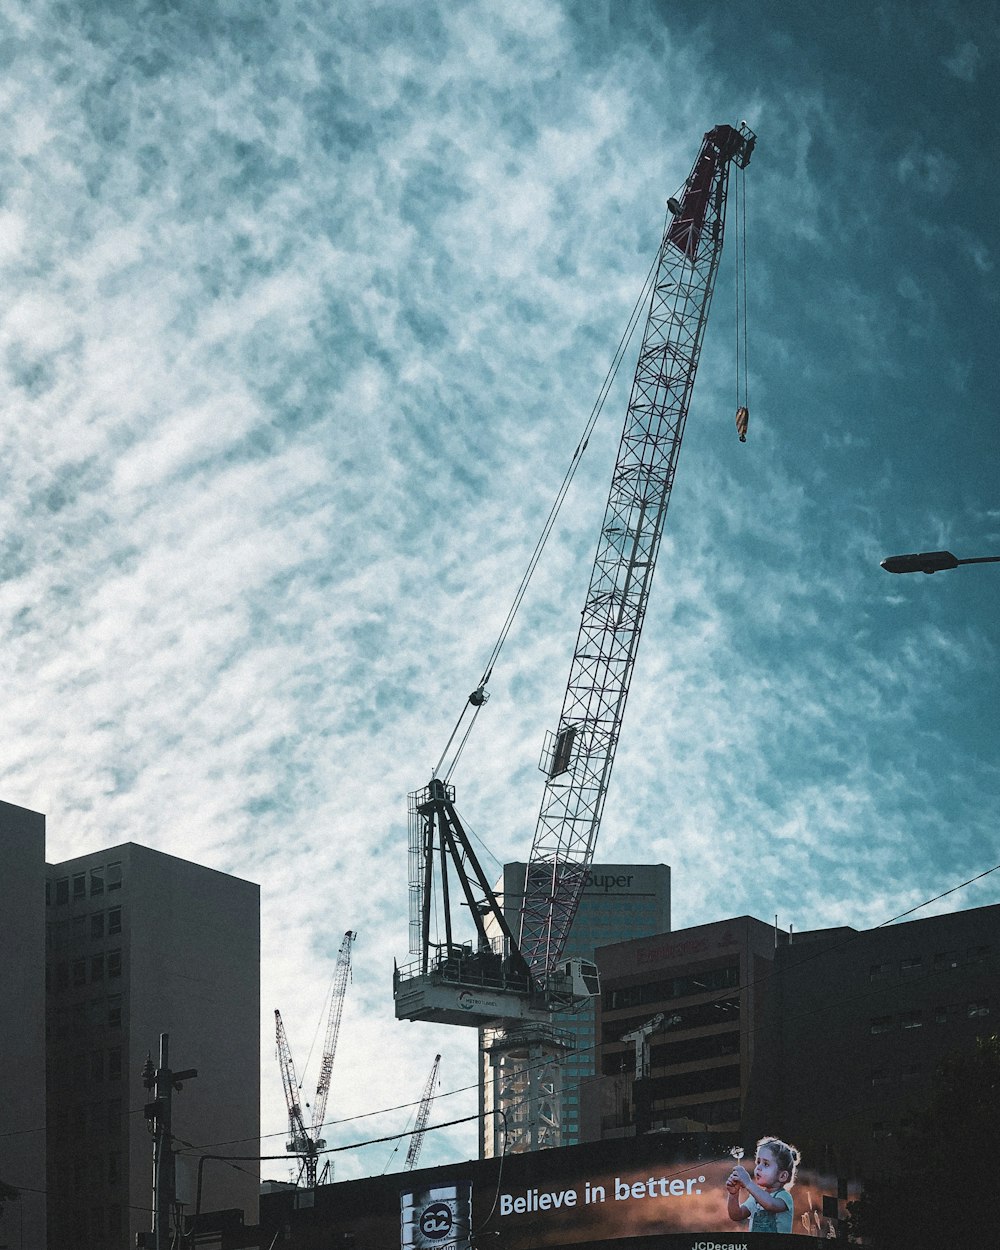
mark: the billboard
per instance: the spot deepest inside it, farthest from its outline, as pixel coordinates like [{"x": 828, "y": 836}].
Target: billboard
[{"x": 653, "y": 1191}]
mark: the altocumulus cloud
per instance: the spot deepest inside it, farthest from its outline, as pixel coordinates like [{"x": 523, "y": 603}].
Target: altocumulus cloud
[{"x": 303, "y": 308}]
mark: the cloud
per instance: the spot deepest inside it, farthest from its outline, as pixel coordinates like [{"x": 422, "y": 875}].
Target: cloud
[
  {"x": 304, "y": 311},
  {"x": 964, "y": 61}
]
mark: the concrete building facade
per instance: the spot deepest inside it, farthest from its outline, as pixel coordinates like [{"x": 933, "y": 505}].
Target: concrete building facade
[
  {"x": 829, "y": 1039},
  {"x": 710, "y": 983},
  {"x": 858, "y": 1023},
  {"x": 619, "y": 901},
  {"x": 22, "y": 1026},
  {"x": 104, "y": 953}
]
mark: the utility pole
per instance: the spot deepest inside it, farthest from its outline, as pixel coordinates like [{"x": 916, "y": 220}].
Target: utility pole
[{"x": 162, "y": 1081}]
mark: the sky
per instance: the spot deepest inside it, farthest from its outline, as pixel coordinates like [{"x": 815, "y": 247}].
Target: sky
[{"x": 303, "y": 308}]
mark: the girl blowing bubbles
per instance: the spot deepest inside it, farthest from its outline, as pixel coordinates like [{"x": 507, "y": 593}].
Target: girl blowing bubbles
[{"x": 768, "y": 1205}]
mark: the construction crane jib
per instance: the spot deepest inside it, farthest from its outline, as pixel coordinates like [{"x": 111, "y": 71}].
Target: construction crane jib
[
  {"x": 423, "y": 1113},
  {"x": 501, "y": 980}
]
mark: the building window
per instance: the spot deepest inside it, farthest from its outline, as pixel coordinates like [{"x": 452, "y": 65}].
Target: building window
[
  {"x": 947, "y": 1014},
  {"x": 97, "y": 1065},
  {"x": 687, "y": 986},
  {"x": 79, "y": 885},
  {"x": 979, "y": 1008},
  {"x": 79, "y": 972},
  {"x": 115, "y": 1063},
  {"x": 97, "y": 926},
  {"x": 96, "y": 881},
  {"x": 115, "y": 875},
  {"x": 115, "y": 1116},
  {"x": 877, "y": 971},
  {"x": 97, "y": 968},
  {"x": 62, "y": 890},
  {"x": 880, "y": 1076},
  {"x": 911, "y": 1019},
  {"x": 945, "y": 959},
  {"x": 115, "y": 1011},
  {"x": 115, "y": 920},
  {"x": 881, "y": 1024},
  {"x": 79, "y": 930},
  {"x": 114, "y": 963},
  {"x": 910, "y": 967},
  {"x": 976, "y": 954}
]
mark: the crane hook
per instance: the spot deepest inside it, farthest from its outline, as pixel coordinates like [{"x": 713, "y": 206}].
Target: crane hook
[{"x": 742, "y": 421}]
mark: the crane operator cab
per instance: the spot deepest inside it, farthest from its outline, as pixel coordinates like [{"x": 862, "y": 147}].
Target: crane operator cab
[{"x": 572, "y": 984}]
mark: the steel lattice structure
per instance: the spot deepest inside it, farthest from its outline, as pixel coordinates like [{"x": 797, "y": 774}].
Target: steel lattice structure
[
  {"x": 423, "y": 1112},
  {"x": 307, "y": 1143},
  {"x": 581, "y": 753}
]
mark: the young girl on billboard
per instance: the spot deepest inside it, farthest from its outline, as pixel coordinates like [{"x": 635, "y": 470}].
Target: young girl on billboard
[{"x": 768, "y": 1204}]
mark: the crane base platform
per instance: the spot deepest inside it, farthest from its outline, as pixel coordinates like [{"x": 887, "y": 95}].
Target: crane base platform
[
  {"x": 431, "y": 997},
  {"x": 479, "y": 988}
]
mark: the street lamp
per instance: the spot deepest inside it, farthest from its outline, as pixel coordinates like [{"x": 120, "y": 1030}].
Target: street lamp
[{"x": 931, "y": 562}]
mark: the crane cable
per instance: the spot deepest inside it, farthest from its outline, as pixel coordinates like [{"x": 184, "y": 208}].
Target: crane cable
[
  {"x": 479, "y": 695},
  {"x": 742, "y": 373}
]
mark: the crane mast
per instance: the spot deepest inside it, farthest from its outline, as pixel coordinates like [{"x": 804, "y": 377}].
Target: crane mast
[{"x": 504, "y": 984}]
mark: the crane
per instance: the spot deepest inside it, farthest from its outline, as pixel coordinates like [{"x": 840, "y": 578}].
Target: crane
[
  {"x": 641, "y": 1036},
  {"x": 511, "y": 984},
  {"x": 424, "y": 1110},
  {"x": 307, "y": 1143}
]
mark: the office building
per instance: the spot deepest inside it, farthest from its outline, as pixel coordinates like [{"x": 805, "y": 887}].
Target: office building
[
  {"x": 22, "y": 1026},
  {"x": 709, "y": 985},
  {"x": 858, "y": 1023},
  {"x": 827, "y": 1038},
  {"x": 137, "y": 944},
  {"x": 619, "y": 901}
]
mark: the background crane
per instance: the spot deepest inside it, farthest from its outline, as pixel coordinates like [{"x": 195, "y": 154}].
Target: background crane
[
  {"x": 307, "y": 1143},
  {"x": 506, "y": 984},
  {"x": 417, "y": 1136}
]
